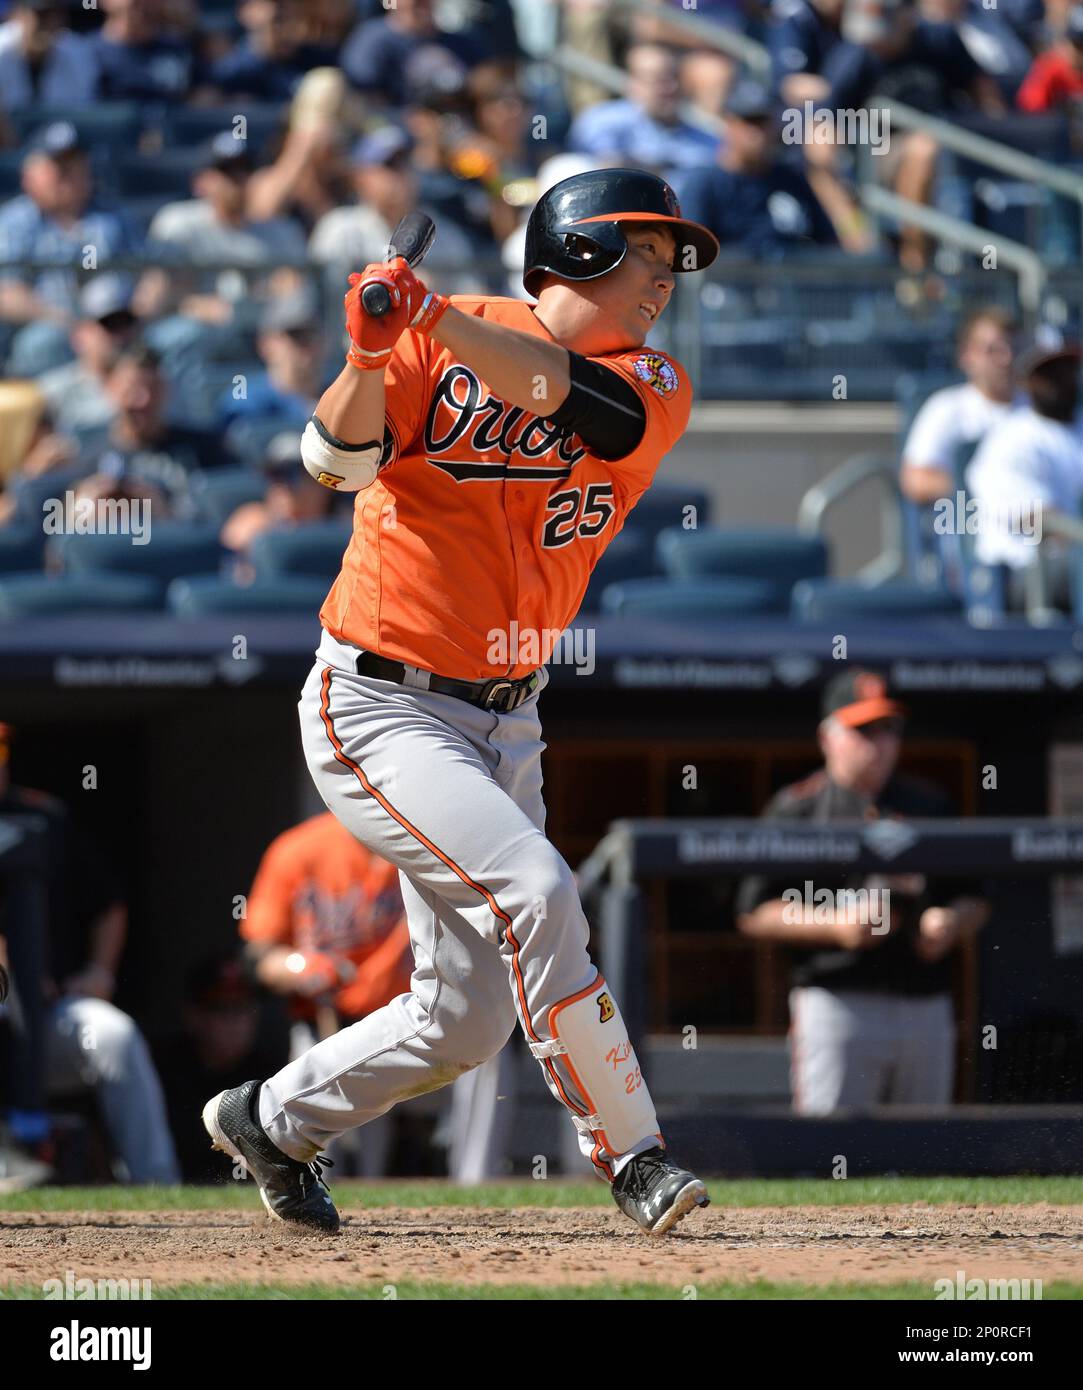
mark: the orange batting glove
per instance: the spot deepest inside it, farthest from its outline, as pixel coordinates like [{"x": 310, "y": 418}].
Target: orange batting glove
[{"x": 413, "y": 305}]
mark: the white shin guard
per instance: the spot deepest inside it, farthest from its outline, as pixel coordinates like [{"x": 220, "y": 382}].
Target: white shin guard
[{"x": 589, "y": 1036}]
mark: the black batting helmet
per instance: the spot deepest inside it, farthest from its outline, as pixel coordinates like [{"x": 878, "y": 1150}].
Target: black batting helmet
[{"x": 574, "y": 233}]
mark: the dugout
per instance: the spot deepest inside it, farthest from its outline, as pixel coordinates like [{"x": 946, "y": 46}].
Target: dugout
[{"x": 184, "y": 761}]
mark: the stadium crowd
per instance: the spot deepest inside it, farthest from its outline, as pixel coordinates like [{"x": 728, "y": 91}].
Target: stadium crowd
[{"x": 184, "y": 189}]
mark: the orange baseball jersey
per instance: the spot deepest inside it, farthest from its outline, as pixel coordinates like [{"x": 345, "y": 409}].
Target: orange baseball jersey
[
  {"x": 319, "y": 889},
  {"x": 484, "y": 515}
]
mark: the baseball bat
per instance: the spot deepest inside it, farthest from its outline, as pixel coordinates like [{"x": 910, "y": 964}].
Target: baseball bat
[{"x": 411, "y": 240}]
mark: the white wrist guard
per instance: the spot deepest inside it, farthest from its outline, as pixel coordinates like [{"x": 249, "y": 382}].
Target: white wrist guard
[{"x": 332, "y": 462}]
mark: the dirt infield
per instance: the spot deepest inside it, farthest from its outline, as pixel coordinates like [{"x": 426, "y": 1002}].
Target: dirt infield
[{"x": 813, "y": 1245}]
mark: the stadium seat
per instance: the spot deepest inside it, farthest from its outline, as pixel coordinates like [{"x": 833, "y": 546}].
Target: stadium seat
[
  {"x": 22, "y": 548},
  {"x": 31, "y": 494},
  {"x": 691, "y": 598},
  {"x": 200, "y": 594},
  {"x": 778, "y": 557},
  {"x": 248, "y": 436},
  {"x": 195, "y": 125},
  {"x": 630, "y": 555},
  {"x": 167, "y": 174},
  {"x": 25, "y": 594},
  {"x": 666, "y": 505},
  {"x": 314, "y": 549},
  {"x": 174, "y": 549},
  {"x": 829, "y": 600},
  {"x": 218, "y": 494},
  {"x": 105, "y": 125},
  {"x": 11, "y": 173}
]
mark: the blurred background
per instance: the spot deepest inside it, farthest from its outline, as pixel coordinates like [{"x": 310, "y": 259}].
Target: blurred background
[{"x": 880, "y": 485}]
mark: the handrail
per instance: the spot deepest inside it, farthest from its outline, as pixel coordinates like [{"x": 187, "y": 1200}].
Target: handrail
[
  {"x": 754, "y": 55},
  {"x": 981, "y": 148},
  {"x": 1026, "y": 263},
  {"x": 839, "y": 483}
]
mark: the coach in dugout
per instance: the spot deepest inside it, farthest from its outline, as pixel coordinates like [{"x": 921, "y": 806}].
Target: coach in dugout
[{"x": 871, "y": 1017}]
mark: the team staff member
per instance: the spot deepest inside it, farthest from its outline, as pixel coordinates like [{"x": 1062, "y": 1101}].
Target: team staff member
[
  {"x": 325, "y": 920},
  {"x": 497, "y": 447},
  {"x": 870, "y": 1012},
  {"x": 326, "y": 927}
]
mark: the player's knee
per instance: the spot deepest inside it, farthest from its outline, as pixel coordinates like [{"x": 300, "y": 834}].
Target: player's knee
[
  {"x": 477, "y": 1035},
  {"x": 550, "y": 894}
]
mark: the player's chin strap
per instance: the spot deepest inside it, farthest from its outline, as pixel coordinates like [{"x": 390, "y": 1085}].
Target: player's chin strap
[{"x": 590, "y": 1038}]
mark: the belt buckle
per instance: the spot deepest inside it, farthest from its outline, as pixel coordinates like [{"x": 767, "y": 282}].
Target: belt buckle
[{"x": 492, "y": 690}]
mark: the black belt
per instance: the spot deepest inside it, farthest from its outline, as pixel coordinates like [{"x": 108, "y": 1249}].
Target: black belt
[{"x": 502, "y": 695}]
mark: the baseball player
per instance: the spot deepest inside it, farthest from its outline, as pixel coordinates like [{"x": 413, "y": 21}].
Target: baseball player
[{"x": 497, "y": 447}]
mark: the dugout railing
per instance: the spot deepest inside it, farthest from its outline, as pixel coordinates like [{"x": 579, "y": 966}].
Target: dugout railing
[{"x": 613, "y": 877}]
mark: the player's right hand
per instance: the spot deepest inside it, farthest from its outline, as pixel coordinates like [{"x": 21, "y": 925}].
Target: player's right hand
[{"x": 372, "y": 339}]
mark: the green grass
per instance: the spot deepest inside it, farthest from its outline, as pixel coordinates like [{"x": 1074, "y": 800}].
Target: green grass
[
  {"x": 750, "y": 1192},
  {"x": 379, "y": 1290}
]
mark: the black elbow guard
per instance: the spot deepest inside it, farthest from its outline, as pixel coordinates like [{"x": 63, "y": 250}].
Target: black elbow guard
[{"x": 603, "y": 409}]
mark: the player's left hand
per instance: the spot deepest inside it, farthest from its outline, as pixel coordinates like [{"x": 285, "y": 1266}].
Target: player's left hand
[{"x": 938, "y": 933}]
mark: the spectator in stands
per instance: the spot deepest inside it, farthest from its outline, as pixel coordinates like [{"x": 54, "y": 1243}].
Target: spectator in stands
[
  {"x": 89, "y": 1043},
  {"x": 140, "y": 448},
  {"x": 644, "y": 129},
  {"x": 842, "y": 58},
  {"x": 54, "y": 220},
  {"x": 41, "y": 61},
  {"x": 309, "y": 176},
  {"x": 498, "y": 152},
  {"x": 290, "y": 343},
  {"x": 219, "y": 1045},
  {"x": 870, "y": 1011},
  {"x": 76, "y": 392},
  {"x": 215, "y": 226},
  {"x": 1027, "y": 475},
  {"x": 269, "y": 62},
  {"x": 751, "y": 199},
  {"x": 292, "y": 498},
  {"x": 706, "y": 79},
  {"x": 387, "y": 187},
  {"x": 138, "y": 61},
  {"x": 1056, "y": 76},
  {"x": 326, "y": 928},
  {"x": 960, "y": 416},
  {"x": 376, "y": 57}
]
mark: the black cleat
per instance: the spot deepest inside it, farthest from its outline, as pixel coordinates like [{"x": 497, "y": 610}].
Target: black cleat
[
  {"x": 291, "y": 1191},
  {"x": 656, "y": 1193}
]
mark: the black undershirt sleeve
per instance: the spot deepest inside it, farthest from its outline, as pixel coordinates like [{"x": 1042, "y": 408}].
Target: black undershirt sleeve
[{"x": 603, "y": 409}]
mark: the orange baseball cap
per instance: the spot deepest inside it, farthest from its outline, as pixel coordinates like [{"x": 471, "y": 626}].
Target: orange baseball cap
[{"x": 860, "y": 697}]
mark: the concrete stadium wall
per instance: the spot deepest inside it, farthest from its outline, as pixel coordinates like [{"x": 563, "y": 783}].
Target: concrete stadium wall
[{"x": 758, "y": 459}]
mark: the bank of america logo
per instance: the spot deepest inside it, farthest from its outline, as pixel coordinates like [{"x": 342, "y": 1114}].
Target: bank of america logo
[
  {"x": 795, "y": 669},
  {"x": 1066, "y": 671},
  {"x": 889, "y": 838}
]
